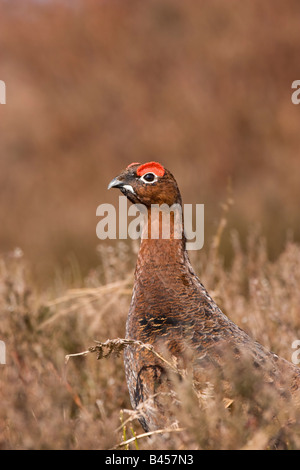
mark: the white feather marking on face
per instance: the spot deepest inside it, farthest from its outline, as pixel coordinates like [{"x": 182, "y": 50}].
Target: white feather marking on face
[{"x": 129, "y": 188}]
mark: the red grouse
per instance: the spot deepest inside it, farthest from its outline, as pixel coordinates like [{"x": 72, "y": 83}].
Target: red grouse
[{"x": 170, "y": 308}]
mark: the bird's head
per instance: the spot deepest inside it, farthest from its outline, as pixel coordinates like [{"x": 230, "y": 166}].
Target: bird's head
[{"x": 148, "y": 183}]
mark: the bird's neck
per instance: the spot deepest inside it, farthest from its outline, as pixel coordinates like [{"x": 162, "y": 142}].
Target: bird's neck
[{"x": 163, "y": 240}]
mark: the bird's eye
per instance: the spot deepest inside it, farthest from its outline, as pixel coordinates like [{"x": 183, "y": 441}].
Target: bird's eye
[{"x": 149, "y": 177}]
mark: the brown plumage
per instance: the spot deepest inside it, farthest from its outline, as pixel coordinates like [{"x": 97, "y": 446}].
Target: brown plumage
[{"x": 172, "y": 310}]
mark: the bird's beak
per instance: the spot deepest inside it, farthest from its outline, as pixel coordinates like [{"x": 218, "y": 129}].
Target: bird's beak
[{"x": 115, "y": 183}]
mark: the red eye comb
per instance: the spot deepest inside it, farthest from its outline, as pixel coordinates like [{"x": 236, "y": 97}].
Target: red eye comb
[{"x": 152, "y": 167}]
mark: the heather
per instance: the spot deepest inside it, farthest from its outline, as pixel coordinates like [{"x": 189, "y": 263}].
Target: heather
[{"x": 48, "y": 401}]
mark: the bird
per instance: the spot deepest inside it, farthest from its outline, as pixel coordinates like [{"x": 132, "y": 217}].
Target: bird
[{"x": 172, "y": 311}]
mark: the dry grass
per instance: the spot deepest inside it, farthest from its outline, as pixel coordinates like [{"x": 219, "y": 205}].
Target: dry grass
[{"x": 47, "y": 402}]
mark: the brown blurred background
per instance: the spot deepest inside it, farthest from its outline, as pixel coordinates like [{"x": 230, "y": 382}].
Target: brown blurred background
[{"x": 203, "y": 87}]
